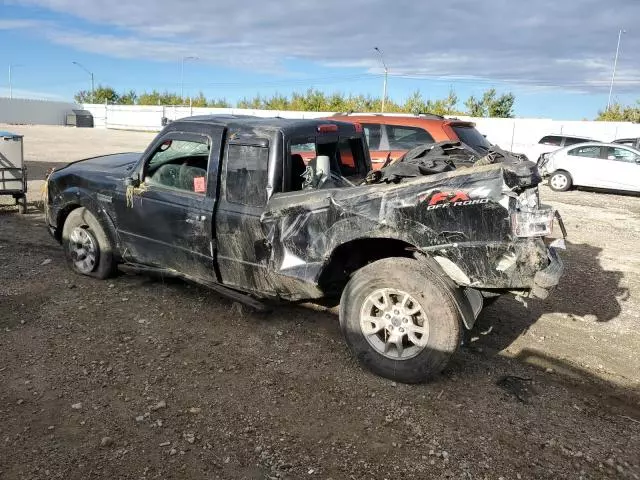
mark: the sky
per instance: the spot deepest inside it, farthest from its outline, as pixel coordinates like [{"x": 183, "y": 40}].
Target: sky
[{"x": 556, "y": 57}]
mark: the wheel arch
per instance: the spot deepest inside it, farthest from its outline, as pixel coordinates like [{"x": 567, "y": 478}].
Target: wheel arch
[
  {"x": 79, "y": 199},
  {"x": 350, "y": 256}
]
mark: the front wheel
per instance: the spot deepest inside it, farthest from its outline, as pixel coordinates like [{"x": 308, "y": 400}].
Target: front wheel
[
  {"x": 86, "y": 245},
  {"x": 560, "y": 181},
  {"x": 400, "y": 319}
]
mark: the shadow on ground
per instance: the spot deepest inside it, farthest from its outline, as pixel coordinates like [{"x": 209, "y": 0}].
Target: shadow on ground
[{"x": 39, "y": 170}]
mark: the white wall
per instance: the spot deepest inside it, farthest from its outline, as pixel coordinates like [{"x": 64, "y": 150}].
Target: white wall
[
  {"x": 517, "y": 134},
  {"x": 513, "y": 134},
  {"x": 39, "y": 112}
]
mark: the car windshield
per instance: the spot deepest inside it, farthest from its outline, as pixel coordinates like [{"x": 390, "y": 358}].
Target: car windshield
[{"x": 472, "y": 137}]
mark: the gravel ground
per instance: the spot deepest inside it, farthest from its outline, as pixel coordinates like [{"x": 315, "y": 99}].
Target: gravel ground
[{"x": 142, "y": 378}]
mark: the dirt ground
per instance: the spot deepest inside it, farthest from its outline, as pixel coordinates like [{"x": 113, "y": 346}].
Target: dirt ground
[{"x": 141, "y": 378}]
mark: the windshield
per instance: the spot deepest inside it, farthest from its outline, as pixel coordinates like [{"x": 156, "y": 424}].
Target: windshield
[{"x": 472, "y": 137}]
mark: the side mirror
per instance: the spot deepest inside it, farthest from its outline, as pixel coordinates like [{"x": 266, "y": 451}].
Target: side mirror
[{"x": 132, "y": 181}]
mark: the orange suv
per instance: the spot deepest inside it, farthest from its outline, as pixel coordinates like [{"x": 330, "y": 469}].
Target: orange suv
[{"x": 394, "y": 135}]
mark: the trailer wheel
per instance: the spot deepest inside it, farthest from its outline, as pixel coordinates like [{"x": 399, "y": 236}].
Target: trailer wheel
[
  {"x": 86, "y": 246},
  {"x": 22, "y": 204},
  {"x": 400, "y": 319}
]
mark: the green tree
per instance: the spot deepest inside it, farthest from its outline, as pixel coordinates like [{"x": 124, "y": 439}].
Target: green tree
[
  {"x": 254, "y": 103},
  {"x": 102, "y": 94},
  {"x": 415, "y": 103},
  {"x": 156, "y": 98},
  {"x": 277, "y": 102},
  {"x": 199, "y": 101},
  {"x": 128, "y": 98},
  {"x": 620, "y": 113},
  {"x": 219, "y": 103},
  {"x": 490, "y": 105}
]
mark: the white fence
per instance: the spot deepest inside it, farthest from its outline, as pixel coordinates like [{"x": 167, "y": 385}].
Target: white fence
[
  {"x": 137, "y": 117},
  {"x": 40, "y": 112},
  {"x": 513, "y": 134},
  {"x": 516, "y": 134}
]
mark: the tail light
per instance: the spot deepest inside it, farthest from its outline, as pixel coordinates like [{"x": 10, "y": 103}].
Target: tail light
[
  {"x": 328, "y": 128},
  {"x": 533, "y": 223}
]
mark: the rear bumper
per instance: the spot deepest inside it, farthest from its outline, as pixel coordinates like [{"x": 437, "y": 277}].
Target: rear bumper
[{"x": 545, "y": 280}]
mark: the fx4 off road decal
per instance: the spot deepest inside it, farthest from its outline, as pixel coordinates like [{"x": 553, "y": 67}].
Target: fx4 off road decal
[{"x": 437, "y": 199}]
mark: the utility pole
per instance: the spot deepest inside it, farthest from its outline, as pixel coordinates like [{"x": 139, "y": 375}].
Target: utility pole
[
  {"x": 191, "y": 57},
  {"x": 93, "y": 88},
  {"x": 615, "y": 65},
  {"x": 386, "y": 73}
]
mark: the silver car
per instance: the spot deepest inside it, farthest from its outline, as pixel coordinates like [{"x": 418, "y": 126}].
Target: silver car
[{"x": 600, "y": 165}]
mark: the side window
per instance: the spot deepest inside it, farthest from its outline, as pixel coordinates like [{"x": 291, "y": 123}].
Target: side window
[
  {"x": 246, "y": 170},
  {"x": 551, "y": 140},
  {"x": 180, "y": 164},
  {"x": 346, "y": 159},
  {"x": 405, "y": 138},
  {"x": 587, "y": 152},
  {"x": 373, "y": 135},
  {"x": 573, "y": 141},
  {"x": 621, "y": 155},
  {"x": 350, "y": 155}
]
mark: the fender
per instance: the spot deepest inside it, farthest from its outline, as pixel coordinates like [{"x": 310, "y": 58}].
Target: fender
[{"x": 76, "y": 197}]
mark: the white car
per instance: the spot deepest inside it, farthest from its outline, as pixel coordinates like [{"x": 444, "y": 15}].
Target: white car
[
  {"x": 599, "y": 165},
  {"x": 551, "y": 143}
]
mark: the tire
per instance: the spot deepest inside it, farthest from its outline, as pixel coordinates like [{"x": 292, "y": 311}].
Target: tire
[
  {"x": 428, "y": 292},
  {"x": 22, "y": 205},
  {"x": 560, "y": 181},
  {"x": 86, "y": 246}
]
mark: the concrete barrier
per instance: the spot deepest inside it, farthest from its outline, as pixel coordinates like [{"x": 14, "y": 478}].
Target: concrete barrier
[{"x": 34, "y": 112}]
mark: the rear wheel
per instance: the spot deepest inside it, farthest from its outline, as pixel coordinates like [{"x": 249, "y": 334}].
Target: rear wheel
[
  {"x": 86, "y": 245},
  {"x": 400, "y": 319},
  {"x": 560, "y": 181}
]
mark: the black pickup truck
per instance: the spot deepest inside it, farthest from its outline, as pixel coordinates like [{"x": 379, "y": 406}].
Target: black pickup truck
[{"x": 275, "y": 209}]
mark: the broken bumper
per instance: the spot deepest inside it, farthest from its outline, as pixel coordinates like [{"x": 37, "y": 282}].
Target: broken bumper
[{"x": 545, "y": 280}]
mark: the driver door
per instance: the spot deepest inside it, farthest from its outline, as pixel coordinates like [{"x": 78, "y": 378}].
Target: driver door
[{"x": 168, "y": 221}]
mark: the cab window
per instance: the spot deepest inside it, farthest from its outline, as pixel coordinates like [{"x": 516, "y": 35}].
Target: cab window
[
  {"x": 246, "y": 174},
  {"x": 346, "y": 156},
  {"x": 180, "y": 164}
]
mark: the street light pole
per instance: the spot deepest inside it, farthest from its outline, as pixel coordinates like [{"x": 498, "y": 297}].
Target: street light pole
[
  {"x": 93, "y": 88},
  {"x": 11, "y": 67},
  {"x": 615, "y": 65},
  {"x": 386, "y": 72},
  {"x": 182, "y": 74}
]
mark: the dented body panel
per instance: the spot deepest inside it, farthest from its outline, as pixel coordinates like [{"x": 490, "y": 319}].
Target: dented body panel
[{"x": 298, "y": 244}]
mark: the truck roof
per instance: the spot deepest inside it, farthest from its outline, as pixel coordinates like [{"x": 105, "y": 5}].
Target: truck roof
[{"x": 289, "y": 126}]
